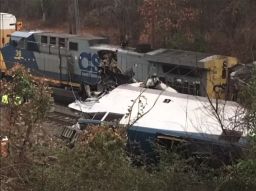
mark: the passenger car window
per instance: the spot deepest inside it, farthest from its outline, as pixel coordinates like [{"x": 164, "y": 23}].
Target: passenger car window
[
  {"x": 113, "y": 117},
  {"x": 98, "y": 116}
]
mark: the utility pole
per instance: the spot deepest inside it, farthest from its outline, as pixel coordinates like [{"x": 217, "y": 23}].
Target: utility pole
[
  {"x": 77, "y": 16},
  {"x": 74, "y": 23}
]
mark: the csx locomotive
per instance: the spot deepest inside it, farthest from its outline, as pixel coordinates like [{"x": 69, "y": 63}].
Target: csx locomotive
[{"x": 59, "y": 57}]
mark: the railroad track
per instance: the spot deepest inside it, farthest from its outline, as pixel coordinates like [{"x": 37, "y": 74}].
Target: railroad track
[
  {"x": 59, "y": 122},
  {"x": 62, "y": 116}
]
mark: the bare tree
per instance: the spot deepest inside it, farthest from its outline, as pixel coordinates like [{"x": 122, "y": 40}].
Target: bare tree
[
  {"x": 43, "y": 8},
  {"x": 73, "y": 18}
]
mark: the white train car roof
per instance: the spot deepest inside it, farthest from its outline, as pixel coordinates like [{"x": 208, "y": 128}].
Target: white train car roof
[{"x": 165, "y": 110}]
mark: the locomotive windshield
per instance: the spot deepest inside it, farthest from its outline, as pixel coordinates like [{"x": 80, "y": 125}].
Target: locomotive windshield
[{"x": 18, "y": 39}]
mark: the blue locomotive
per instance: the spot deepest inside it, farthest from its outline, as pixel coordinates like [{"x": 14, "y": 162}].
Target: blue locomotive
[{"x": 61, "y": 58}]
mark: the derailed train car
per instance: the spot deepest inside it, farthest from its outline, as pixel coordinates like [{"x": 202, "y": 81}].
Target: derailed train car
[{"x": 203, "y": 127}]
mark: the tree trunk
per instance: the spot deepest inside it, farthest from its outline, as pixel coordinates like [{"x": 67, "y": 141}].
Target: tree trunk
[
  {"x": 43, "y": 10},
  {"x": 26, "y": 140}
]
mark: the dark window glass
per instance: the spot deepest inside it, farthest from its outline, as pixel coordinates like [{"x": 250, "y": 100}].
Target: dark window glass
[
  {"x": 52, "y": 40},
  {"x": 62, "y": 42},
  {"x": 114, "y": 117},
  {"x": 13, "y": 43},
  {"x": 73, "y": 46},
  {"x": 32, "y": 46},
  {"x": 21, "y": 44},
  {"x": 98, "y": 116},
  {"x": 44, "y": 39},
  {"x": 167, "y": 101}
]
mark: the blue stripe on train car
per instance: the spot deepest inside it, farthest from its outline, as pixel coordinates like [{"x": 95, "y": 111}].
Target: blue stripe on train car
[
  {"x": 141, "y": 142},
  {"x": 146, "y": 136}
]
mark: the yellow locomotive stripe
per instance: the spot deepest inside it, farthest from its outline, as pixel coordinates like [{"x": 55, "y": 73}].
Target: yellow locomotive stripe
[
  {"x": 56, "y": 83},
  {"x": 2, "y": 63}
]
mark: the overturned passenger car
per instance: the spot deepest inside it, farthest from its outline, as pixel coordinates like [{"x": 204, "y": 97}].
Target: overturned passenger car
[{"x": 204, "y": 125}]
